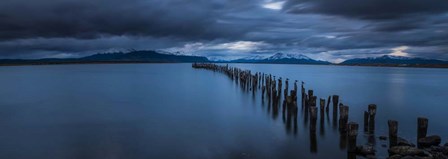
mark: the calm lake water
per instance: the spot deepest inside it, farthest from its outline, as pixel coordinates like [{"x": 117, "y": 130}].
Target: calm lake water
[{"x": 158, "y": 111}]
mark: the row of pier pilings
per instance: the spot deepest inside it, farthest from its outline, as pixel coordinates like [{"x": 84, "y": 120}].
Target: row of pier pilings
[{"x": 271, "y": 91}]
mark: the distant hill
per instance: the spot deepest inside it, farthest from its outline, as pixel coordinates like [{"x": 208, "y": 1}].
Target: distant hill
[
  {"x": 281, "y": 58},
  {"x": 388, "y": 60},
  {"x": 131, "y": 57}
]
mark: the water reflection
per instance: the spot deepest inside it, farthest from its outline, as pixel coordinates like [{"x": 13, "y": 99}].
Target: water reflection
[
  {"x": 311, "y": 114},
  {"x": 286, "y": 104}
]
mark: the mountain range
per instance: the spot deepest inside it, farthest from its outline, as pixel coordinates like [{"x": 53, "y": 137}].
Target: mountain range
[
  {"x": 281, "y": 58},
  {"x": 119, "y": 57},
  {"x": 388, "y": 60},
  {"x": 278, "y": 58}
]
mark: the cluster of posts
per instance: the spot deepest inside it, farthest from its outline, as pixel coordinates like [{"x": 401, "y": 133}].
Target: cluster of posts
[{"x": 272, "y": 89}]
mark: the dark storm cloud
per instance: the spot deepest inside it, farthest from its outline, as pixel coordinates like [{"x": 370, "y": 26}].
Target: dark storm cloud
[
  {"x": 75, "y": 26},
  {"x": 88, "y": 19},
  {"x": 368, "y": 9}
]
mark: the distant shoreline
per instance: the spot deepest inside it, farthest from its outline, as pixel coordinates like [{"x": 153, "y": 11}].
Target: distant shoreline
[
  {"x": 161, "y": 62},
  {"x": 83, "y": 63}
]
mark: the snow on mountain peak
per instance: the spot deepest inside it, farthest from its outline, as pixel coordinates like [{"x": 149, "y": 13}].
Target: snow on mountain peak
[
  {"x": 397, "y": 57},
  {"x": 256, "y": 57},
  {"x": 288, "y": 56}
]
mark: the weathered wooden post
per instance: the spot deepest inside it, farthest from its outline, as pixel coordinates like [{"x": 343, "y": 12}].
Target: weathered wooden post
[
  {"x": 352, "y": 134},
  {"x": 311, "y": 98},
  {"x": 372, "y": 113},
  {"x": 328, "y": 104},
  {"x": 335, "y": 102},
  {"x": 393, "y": 132},
  {"x": 335, "y": 111},
  {"x": 322, "y": 118},
  {"x": 313, "y": 115},
  {"x": 322, "y": 104},
  {"x": 422, "y": 127},
  {"x": 312, "y": 101},
  {"x": 343, "y": 117},
  {"x": 280, "y": 83},
  {"x": 306, "y": 109},
  {"x": 295, "y": 86}
]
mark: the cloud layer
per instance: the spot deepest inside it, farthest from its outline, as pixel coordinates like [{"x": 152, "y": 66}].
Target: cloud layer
[{"x": 324, "y": 29}]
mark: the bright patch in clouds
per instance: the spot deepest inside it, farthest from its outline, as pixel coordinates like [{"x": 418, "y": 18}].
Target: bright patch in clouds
[
  {"x": 400, "y": 51},
  {"x": 274, "y": 5},
  {"x": 237, "y": 46}
]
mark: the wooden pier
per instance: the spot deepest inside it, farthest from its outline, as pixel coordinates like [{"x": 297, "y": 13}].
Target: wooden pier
[{"x": 271, "y": 88}]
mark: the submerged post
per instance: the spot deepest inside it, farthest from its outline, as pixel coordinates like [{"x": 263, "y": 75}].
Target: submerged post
[
  {"x": 422, "y": 127},
  {"x": 393, "y": 132}
]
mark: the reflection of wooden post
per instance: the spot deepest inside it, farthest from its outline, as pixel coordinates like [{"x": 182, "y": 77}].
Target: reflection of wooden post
[
  {"x": 393, "y": 132},
  {"x": 313, "y": 112},
  {"x": 352, "y": 133},
  {"x": 422, "y": 127},
  {"x": 313, "y": 136},
  {"x": 263, "y": 89},
  {"x": 305, "y": 100},
  {"x": 366, "y": 121},
  {"x": 372, "y": 113},
  {"x": 274, "y": 95}
]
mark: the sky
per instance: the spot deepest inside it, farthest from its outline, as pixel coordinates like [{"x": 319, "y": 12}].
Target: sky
[{"x": 332, "y": 30}]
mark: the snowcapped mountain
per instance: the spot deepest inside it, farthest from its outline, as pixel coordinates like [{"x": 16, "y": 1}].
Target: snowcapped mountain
[
  {"x": 393, "y": 60},
  {"x": 144, "y": 56},
  {"x": 388, "y": 57},
  {"x": 394, "y": 57},
  {"x": 281, "y": 58},
  {"x": 278, "y": 56},
  {"x": 169, "y": 53},
  {"x": 256, "y": 57}
]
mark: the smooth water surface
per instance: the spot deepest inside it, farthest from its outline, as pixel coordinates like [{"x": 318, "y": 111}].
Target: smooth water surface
[{"x": 174, "y": 111}]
